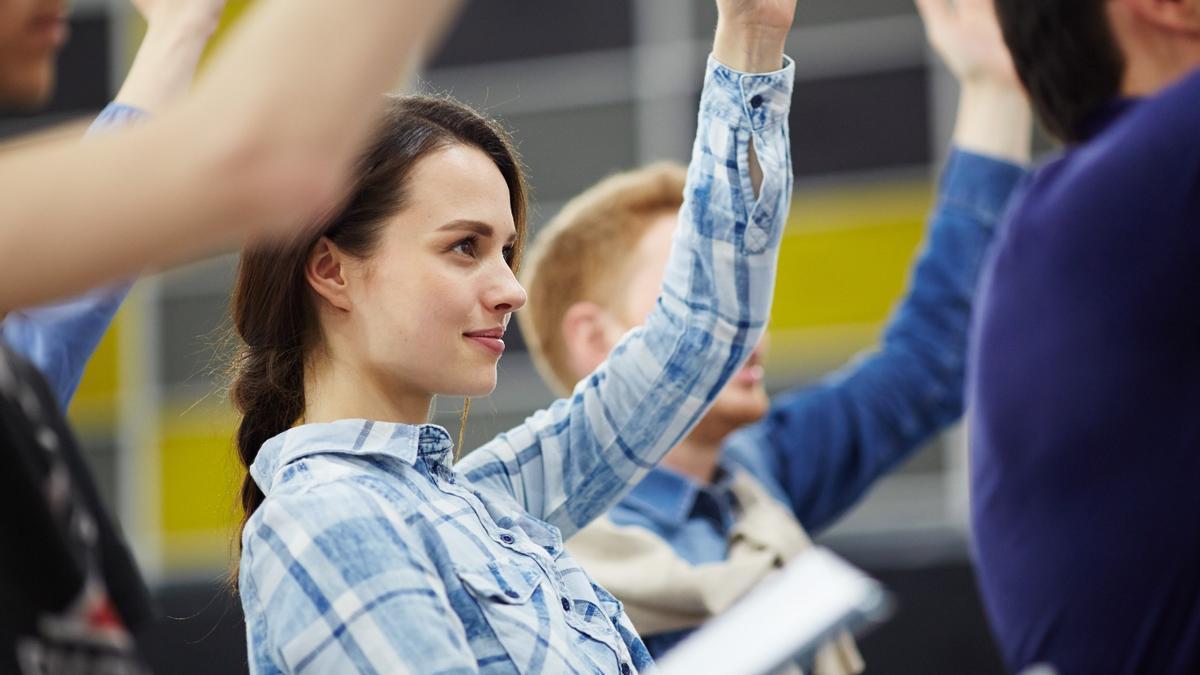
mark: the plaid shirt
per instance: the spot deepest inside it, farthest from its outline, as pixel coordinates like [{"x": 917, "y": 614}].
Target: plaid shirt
[{"x": 372, "y": 554}]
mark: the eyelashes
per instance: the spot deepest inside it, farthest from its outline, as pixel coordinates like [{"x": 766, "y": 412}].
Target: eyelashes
[{"x": 469, "y": 247}]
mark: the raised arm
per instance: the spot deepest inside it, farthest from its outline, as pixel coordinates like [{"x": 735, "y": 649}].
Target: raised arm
[
  {"x": 261, "y": 146},
  {"x": 569, "y": 463},
  {"x": 60, "y": 338},
  {"x": 827, "y": 444}
]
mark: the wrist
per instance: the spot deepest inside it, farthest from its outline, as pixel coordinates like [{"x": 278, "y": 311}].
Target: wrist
[
  {"x": 181, "y": 26},
  {"x": 749, "y": 48},
  {"x": 995, "y": 119}
]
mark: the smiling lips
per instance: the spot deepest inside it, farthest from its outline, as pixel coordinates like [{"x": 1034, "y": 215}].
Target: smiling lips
[{"x": 491, "y": 339}]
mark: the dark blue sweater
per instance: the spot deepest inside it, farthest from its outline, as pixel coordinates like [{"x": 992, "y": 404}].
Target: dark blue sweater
[{"x": 1084, "y": 389}]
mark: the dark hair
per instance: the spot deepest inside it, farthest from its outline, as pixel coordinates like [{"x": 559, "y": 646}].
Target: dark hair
[
  {"x": 272, "y": 307},
  {"x": 1067, "y": 58}
]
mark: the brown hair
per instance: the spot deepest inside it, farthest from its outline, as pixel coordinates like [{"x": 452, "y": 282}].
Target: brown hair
[
  {"x": 1067, "y": 57},
  {"x": 583, "y": 255},
  {"x": 272, "y": 307}
]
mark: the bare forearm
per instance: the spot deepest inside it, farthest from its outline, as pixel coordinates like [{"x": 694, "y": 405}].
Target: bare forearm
[
  {"x": 337, "y": 88},
  {"x": 261, "y": 147},
  {"x": 749, "y": 48},
  {"x": 994, "y": 119}
]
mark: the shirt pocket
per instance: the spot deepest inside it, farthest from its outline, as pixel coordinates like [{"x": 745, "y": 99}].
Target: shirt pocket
[
  {"x": 510, "y": 601},
  {"x": 504, "y": 582}
]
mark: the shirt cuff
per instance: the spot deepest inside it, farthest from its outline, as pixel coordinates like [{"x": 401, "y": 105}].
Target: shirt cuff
[
  {"x": 116, "y": 115},
  {"x": 978, "y": 183},
  {"x": 735, "y": 97}
]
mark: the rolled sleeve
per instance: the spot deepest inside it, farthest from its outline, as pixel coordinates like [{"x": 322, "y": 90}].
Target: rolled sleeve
[
  {"x": 116, "y": 115},
  {"x": 980, "y": 185}
]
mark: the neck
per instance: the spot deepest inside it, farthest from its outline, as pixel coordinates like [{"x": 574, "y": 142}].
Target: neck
[
  {"x": 1154, "y": 58},
  {"x": 697, "y": 455},
  {"x": 1147, "y": 75},
  {"x": 337, "y": 389}
]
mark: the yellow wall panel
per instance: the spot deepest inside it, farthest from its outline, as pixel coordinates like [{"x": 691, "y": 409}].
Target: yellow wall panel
[
  {"x": 844, "y": 264},
  {"x": 199, "y": 469}
]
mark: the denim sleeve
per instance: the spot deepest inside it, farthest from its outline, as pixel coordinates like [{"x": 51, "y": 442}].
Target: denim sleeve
[
  {"x": 59, "y": 338},
  {"x": 821, "y": 447},
  {"x": 569, "y": 463}
]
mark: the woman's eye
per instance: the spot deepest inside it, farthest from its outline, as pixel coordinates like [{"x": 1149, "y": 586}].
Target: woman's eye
[
  {"x": 465, "y": 247},
  {"x": 509, "y": 252}
]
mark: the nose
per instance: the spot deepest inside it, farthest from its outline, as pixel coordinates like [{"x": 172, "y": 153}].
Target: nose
[{"x": 507, "y": 295}]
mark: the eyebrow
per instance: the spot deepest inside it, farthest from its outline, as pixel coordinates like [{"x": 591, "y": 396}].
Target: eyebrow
[{"x": 480, "y": 228}]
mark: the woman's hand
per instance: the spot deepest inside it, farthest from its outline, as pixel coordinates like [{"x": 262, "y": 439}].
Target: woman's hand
[
  {"x": 966, "y": 35},
  {"x": 751, "y": 33},
  {"x": 994, "y": 117}
]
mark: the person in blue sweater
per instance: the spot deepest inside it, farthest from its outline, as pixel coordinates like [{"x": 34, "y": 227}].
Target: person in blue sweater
[
  {"x": 1085, "y": 360},
  {"x": 733, "y": 500}
]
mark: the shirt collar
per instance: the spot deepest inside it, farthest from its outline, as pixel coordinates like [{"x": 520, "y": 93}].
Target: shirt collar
[
  {"x": 668, "y": 497},
  {"x": 362, "y": 438}
]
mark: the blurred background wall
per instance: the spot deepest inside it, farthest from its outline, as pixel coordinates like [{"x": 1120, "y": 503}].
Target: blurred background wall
[{"x": 587, "y": 87}]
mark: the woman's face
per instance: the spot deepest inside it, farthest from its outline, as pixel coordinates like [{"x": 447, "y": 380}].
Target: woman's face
[{"x": 431, "y": 304}]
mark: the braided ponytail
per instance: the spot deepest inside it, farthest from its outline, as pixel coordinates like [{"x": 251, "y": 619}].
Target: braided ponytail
[{"x": 272, "y": 319}]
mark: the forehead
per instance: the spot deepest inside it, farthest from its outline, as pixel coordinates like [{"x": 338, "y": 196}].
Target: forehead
[
  {"x": 639, "y": 286},
  {"x": 654, "y": 247},
  {"x": 460, "y": 182}
]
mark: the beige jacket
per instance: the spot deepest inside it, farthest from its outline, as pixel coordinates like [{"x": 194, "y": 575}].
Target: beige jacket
[{"x": 663, "y": 592}]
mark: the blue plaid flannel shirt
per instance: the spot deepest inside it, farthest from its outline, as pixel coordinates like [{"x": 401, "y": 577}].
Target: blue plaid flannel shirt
[{"x": 372, "y": 554}]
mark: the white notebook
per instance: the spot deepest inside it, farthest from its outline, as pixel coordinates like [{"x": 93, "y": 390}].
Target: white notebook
[{"x": 788, "y": 615}]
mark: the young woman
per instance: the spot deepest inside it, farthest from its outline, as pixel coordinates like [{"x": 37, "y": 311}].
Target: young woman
[{"x": 366, "y": 549}]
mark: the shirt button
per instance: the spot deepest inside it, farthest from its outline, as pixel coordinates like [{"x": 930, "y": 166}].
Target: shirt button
[
  {"x": 756, "y": 101},
  {"x": 566, "y": 605},
  {"x": 507, "y": 538},
  {"x": 624, "y": 669}
]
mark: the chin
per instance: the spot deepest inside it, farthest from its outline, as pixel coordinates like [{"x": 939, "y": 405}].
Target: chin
[
  {"x": 28, "y": 93},
  {"x": 737, "y": 409},
  {"x": 473, "y": 387}
]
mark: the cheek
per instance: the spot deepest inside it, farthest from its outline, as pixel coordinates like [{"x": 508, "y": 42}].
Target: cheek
[{"x": 425, "y": 305}]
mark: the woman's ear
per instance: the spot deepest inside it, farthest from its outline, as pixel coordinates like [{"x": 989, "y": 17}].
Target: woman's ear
[
  {"x": 325, "y": 271},
  {"x": 589, "y": 333}
]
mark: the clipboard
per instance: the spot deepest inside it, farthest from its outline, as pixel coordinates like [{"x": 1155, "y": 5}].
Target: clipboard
[{"x": 788, "y": 616}]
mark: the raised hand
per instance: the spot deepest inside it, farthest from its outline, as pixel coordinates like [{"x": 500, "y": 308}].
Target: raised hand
[
  {"x": 966, "y": 35},
  {"x": 765, "y": 14},
  {"x": 994, "y": 117},
  {"x": 751, "y": 33}
]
